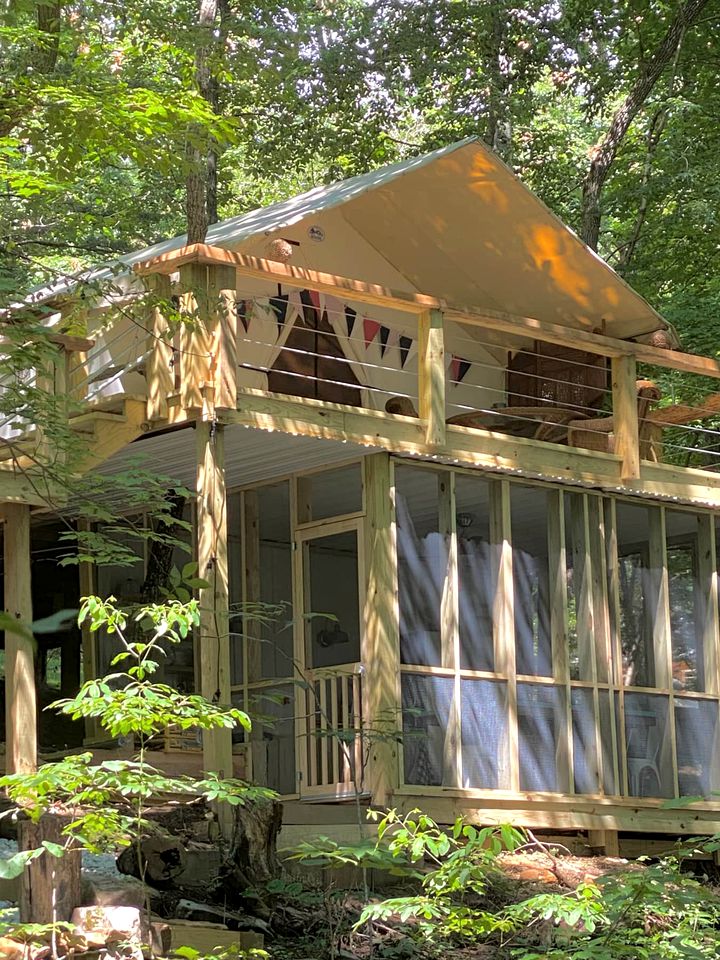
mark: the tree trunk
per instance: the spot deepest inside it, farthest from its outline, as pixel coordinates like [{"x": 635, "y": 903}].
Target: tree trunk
[
  {"x": 605, "y": 152},
  {"x": 49, "y": 886},
  {"x": 196, "y": 207},
  {"x": 499, "y": 123},
  {"x": 42, "y": 59}
]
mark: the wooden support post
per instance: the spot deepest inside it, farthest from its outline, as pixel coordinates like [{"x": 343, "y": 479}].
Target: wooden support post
[
  {"x": 606, "y": 841},
  {"x": 504, "y": 618},
  {"x": 20, "y": 693},
  {"x": 707, "y": 582},
  {"x": 600, "y": 602},
  {"x": 303, "y": 499},
  {"x": 159, "y": 372},
  {"x": 617, "y": 714},
  {"x": 211, "y": 520},
  {"x": 450, "y": 628},
  {"x": 582, "y": 585},
  {"x": 558, "y": 586},
  {"x": 381, "y": 636},
  {"x": 86, "y": 573},
  {"x": 431, "y": 375},
  {"x": 659, "y": 598},
  {"x": 625, "y": 416},
  {"x": 251, "y": 629}
]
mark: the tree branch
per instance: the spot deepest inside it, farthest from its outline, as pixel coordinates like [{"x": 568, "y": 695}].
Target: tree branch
[{"x": 605, "y": 152}]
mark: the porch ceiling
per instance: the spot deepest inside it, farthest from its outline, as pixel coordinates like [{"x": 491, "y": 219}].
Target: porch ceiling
[{"x": 251, "y": 455}]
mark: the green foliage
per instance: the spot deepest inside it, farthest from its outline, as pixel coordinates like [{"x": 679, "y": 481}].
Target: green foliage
[
  {"x": 105, "y": 801},
  {"x": 222, "y": 953},
  {"x": 650, "y": 911}
]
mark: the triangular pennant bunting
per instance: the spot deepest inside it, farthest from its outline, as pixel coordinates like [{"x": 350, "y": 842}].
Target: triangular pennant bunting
[
  {"x": 350, "y": 318},
  {"x": 243, "y": 308},
  {"x": 384, "y": 335},
  {"x": 459, "y": 369},
  {"x": 311, "y": 306},
  {"x": 370, "y": 330},
  {"x": 405, "y": 344},
  {"x": 279, "y": 306}
]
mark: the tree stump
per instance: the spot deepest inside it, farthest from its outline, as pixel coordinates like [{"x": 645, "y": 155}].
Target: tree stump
[
  {"x": 183, "y": 850},
  {"x": 49, "y": 886},
  {"x": 253, "y": 859}
]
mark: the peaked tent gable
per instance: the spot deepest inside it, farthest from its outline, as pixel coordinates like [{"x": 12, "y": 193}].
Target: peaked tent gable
[{"x": 454, "y": 223}]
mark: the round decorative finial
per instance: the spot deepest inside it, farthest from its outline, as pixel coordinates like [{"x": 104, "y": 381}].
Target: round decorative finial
[
  {"x": 662, "y": 339},
  {"x": 279, "y": 249}
]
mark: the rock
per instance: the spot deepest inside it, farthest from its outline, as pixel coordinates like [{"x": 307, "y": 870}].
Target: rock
[
  {"x": 119, "y": 891},
  {"x": 110, "y": 927},
  {"x": 11, "y": 949},
  {"x": 161, "y": 938}
]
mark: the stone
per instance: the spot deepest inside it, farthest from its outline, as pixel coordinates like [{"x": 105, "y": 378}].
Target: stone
[
  {"x": 119, "y": 891},
  {"x": 110, "y": 927}
]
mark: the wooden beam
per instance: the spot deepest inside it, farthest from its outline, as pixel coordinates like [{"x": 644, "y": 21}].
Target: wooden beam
[
  {"x": 290, "y": 276},
  {"x": 159, "y": 372},
  {"x": 503, "y": 616},
  {"x": 558, "y": 598},
  {"x": 431, "y": 375},
  {"x": 381, "y": 635},
  {"x": 625, "y": 416},
  {"x": 569, "y": 813},
  {"x": 572, "y": 337},
  {"x": 708, "y": 632},
  {"x": 20, "y": 693},
  {"x": 472, "y": 447},
  {"x": 211, "y": 521},
  {"x": 567, "y": 336}
]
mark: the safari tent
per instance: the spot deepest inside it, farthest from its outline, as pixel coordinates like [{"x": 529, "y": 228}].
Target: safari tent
[{"x": 421, "y": 419}]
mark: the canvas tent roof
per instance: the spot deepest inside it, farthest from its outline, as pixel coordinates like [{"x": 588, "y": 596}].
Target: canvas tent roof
[{"x": 455, "y": 223}]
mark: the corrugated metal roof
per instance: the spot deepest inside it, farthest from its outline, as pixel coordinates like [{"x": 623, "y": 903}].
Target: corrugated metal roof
[{"x": 251, "y": 455}]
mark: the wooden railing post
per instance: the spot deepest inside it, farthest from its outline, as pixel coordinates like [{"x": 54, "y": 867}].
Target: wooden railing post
[
  {"x": 222, "y": 298},
  {"x": 625, "y": 416},
  {"x": 20, "y": 693},
  {"x": 195, "y": 337},
  {"x": 208, "y": 340},
  {"x": 431, "y": 375}
]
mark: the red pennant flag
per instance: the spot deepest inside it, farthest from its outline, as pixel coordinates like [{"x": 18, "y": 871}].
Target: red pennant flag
[{"x": 370, "y": 329}]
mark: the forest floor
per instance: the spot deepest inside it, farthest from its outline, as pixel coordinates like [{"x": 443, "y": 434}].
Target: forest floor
[{"x": 326, "y": 915}]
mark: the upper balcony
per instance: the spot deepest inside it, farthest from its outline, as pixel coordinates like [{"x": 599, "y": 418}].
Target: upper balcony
[{"x": 478, "y": 330}]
